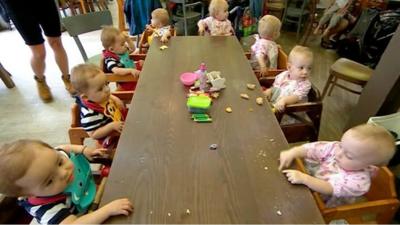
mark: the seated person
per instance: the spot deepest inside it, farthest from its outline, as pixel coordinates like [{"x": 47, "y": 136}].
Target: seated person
[
  {"x": 264, "y": 52},
  {"x": 102, "y": 114},
  {"x": 343, "y": 169},
  {"x": 159, "y": 28},
  {"x": 333, "y": 14},
  {"x": 117, "y": 46},
  {"x": 39, "y": 175},
  {"x": 217, "y": 24},
  {"x": 293, "y": 85},
  {"x": 345, "y": 24}
]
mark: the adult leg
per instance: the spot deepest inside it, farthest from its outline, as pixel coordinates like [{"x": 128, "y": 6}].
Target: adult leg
[
  {"x": 62, "y": 61},
  {"x": 22, "y": 14}
]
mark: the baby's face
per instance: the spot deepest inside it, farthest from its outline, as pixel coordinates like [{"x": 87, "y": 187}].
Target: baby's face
[
  {"x": 354, "y": 154},
  {"x": 300, "y": 67},
  {"x": 49, "y": 173},
  {"x": 98, "y": 90},
  {"x": 155, "y": 22},
  {"x": 221, "y": 14},
  {"x": 119, "y": 46}
]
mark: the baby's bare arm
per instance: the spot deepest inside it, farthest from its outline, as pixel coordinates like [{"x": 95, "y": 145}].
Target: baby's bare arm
[
  {"x": 103, "y": 131},
  {"x": 114, "y": 208}
]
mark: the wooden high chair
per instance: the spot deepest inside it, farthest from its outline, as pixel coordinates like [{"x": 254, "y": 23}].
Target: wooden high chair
[
  {"x": 305, "y": 129},
  {"x": 282, "y": 64},
  {"x": 143, "y": 43},
  {"x": 380, "y": 207},
  {"x": 76, "y": 133}
]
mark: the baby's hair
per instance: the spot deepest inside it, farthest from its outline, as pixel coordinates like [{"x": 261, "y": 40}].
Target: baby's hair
[
  {"x": 216, "y": 6},
  {"x": 297, "y": 50},
  {"x": 269, "y": 26},
  {"x": 81, "y": 74},
  {"x": 378, "y": 137},
  {"x": 108, "y": 36},
  {"x": 162, "y": 15},
  {"x": 15, "y": 159}
]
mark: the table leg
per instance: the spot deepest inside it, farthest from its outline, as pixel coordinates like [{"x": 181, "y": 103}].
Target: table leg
[{"x": 6, "y": 77}]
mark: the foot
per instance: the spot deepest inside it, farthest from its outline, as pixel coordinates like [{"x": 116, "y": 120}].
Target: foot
[
  {"x": 43, "y": 89},
  {"x": 68, "y": 86}
]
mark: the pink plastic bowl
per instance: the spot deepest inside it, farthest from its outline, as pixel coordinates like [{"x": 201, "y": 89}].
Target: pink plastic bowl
[{"x": 188, "y": 79}]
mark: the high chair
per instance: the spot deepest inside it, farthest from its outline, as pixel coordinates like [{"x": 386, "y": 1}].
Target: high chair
[
  {"x": 304, "y": 129},
  {"x": 143, "y": 43},
  {"x": 282, "y": 64},
  {"x": 380, "y": 206},
  {"x": 76, "y": 133}
]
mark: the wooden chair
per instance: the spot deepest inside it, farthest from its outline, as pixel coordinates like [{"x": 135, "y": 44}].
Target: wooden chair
[
  {"x": 76, "y": 133},
  {"x": 305, "y": 129},
  {"x": 143, "y": 43},
  {"x": 295, "y": 13},
  {"x": 282, "y": 64},
  {"x": 380, "y": 207},
  {"x": 347, "y": 70}
]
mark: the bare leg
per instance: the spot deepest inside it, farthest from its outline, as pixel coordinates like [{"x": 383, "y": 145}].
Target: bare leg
[
  {"x": 59, "y": 54},
  {"x": 38, "y": 60}
]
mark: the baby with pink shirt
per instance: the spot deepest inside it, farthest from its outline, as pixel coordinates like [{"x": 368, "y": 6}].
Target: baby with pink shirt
[
  {"x": 217, "y": 24},
  {"x": 264, "y": 52},
  {"x": 344, "y": 167}
]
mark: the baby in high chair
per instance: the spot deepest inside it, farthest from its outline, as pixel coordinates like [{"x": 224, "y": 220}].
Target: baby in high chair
[
  {"x": 41, "y": 176},
  {"x": 102, "y": 114},
  {"x": 117, "y": 47},
  {"x": 217, "y": 24},
  {"x": 293, "y": 85},
  {"x": 333, "y": 14},
  {"x": 264, "y": 52},
  {"x": 158, "y": 28},
  {"x": 344, "y": 168}
]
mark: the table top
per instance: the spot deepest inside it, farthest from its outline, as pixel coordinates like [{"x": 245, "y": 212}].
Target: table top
[{"x": 163, "y": 162}]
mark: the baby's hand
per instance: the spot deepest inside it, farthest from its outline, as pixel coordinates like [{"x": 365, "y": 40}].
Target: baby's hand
[
  {"x": 135, "y": 73},
  {"x": 164, "y": 39},
  {"x": 119, "y": 207},
  {"x": 263, "y": 71},
  {"x": 295, "y": 176},
  {"x": 201, "y": 30},
  {"x": 91, "y": 152},
  {"x": 280, "y": 105},
  {"x": 118, "y": 126},
  {"x": 285, "y": 159}
]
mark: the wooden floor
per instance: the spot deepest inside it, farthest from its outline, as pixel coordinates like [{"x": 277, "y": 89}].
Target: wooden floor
[{"x": 338, "y": 106}]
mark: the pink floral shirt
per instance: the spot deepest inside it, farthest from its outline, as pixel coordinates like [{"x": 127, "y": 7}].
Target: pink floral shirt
[
  {"x": 347, "y": 185},
  {"x": 267, "y": 49},
  {"x": 289, "y": 87},
  {"x": 216, "y": 27}
]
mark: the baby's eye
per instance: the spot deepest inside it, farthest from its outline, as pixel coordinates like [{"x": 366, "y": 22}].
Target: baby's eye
[
  {"x": 60, "y": 163},
  {"x": 49, "y": 182}
]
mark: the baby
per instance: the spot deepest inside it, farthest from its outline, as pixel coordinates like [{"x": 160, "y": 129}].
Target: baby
[
  {"x": 159, "y": 28},
  {"x": 102, "y": 114},
  {"x": 265, "y": 50},
  {"x": 117, "y": 46},
  {"x": 333, "y": 14},
  {"x": 217, "y": 24},
  {"x": 345, "y": 167},
  {"x": 39, "y": 174},
  {"x": 292, "y": 86}
]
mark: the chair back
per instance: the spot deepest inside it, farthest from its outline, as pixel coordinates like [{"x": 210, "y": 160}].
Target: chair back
[{"x": 80, "y": 24}]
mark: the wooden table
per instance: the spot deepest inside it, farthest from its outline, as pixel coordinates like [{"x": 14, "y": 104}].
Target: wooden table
[{"x": 163, "y": 162}]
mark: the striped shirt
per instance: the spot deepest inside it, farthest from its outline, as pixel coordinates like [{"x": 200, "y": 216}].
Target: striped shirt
[{"x": 91, "y": 120}]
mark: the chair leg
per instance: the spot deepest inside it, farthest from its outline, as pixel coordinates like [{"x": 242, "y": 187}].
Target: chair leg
[
  {"x": 328, "y": 83},
  {"x": 298, "y": 28},
  {"x": 333, "y": 84}
]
